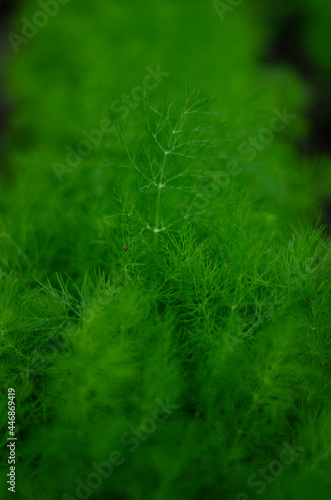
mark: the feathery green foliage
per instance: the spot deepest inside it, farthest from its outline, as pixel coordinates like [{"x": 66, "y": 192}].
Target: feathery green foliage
[{"x": 219, "y": 307}]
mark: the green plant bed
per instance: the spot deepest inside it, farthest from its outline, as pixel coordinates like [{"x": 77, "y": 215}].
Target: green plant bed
[
  {"x": 209, "y": 305},
  {"x": 164, "y": 303}
]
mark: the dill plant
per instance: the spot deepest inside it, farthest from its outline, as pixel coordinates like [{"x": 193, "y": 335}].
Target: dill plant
[
  {"x": 169, "y": 168},
  {"x": 212, "y": 305},
  {"x": 221, "y": 302}
]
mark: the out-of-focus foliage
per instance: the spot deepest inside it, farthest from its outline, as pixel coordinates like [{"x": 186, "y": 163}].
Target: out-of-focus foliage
[{"x": 218, "y": 304}]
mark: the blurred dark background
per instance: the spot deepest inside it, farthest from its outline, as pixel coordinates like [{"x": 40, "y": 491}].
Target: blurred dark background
[
  {"x": 298, "y": 38},
  {"x": 7, "y": 8},
  {"x": 287, "y": 45}
]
